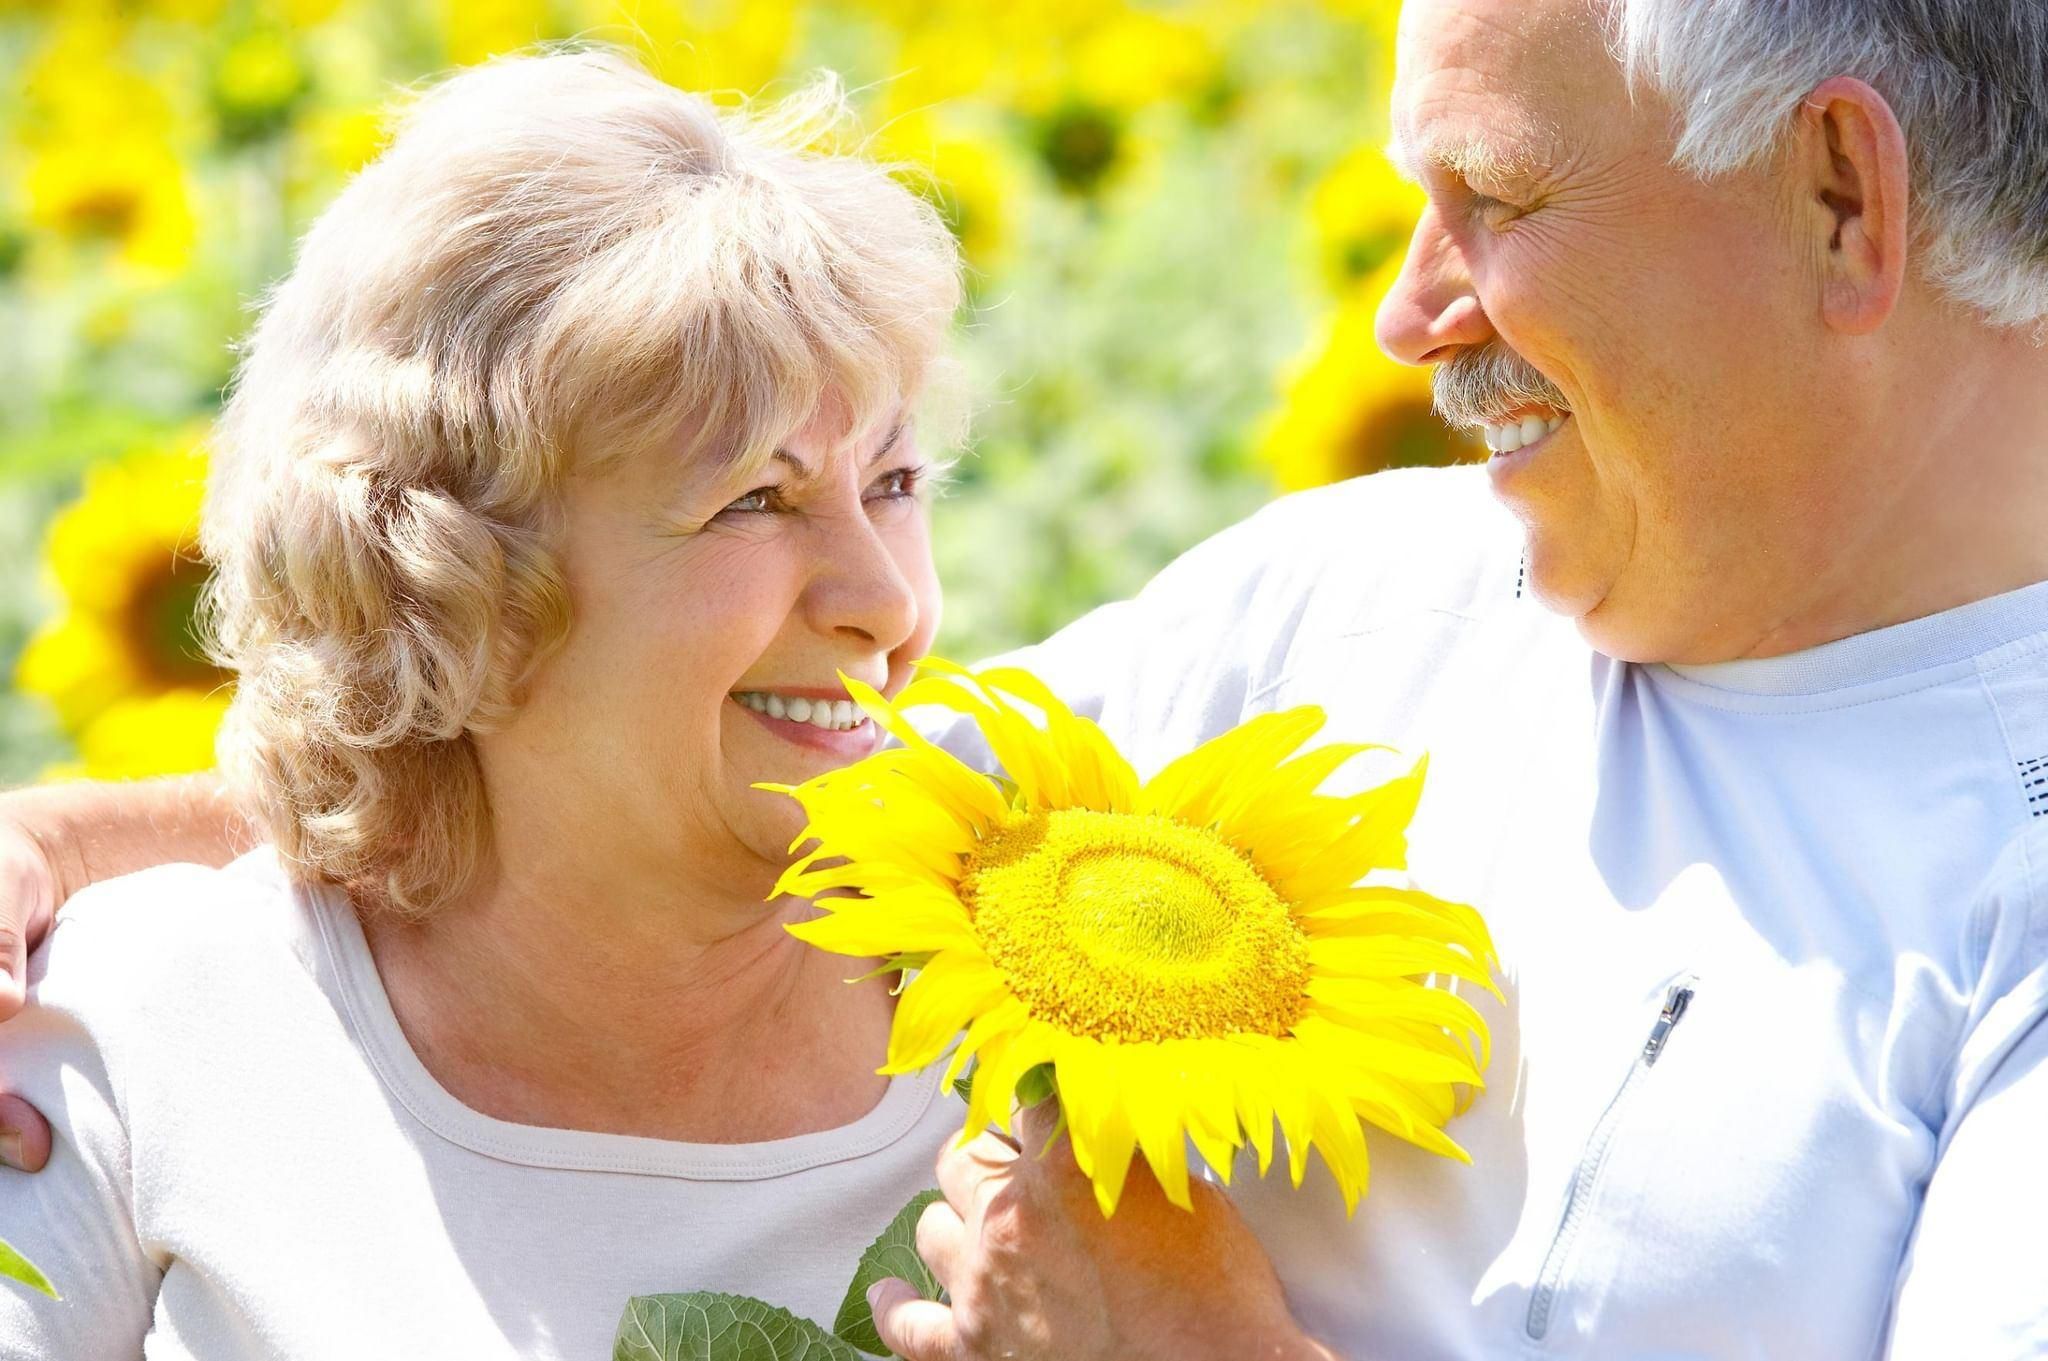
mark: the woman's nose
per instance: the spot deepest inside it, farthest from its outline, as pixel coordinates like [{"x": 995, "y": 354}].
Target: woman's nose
[
  {"x": 860, "y": 591},
  {"x": 1432, "y": 311}
]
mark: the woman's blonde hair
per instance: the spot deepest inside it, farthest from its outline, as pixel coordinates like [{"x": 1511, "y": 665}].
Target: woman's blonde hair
[{"x": 559, "y": 262}]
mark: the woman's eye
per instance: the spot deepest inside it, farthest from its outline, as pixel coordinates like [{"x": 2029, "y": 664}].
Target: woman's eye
[
  {"x": 894, "y": 486},
  {"x": 758, "y": 500}
]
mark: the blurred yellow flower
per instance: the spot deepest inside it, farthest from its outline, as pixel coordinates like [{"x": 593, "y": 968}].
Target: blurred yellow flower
[
  {"x": 334, "y": 143},
  {"x": 1348, "y": 409},
  {"x": 100, "y": 162},
  {"x": 705, "y": 45},
  {"x": 1082, "y": 144},
  {"x": 257, "y": 80},
  {"x": 128, "y": 190},
  {"x": 1139, "y": 57},
  {"x": 168, "y": 734},
  {"x": 1364, "y": 213},
  {"x": 935, "y": 64},
  {"x": 475, "y": 29},
  {"x": 970, "y": 179},
  {"x": 124, "y": 560}
]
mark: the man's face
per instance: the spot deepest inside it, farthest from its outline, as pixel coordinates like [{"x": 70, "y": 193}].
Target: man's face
[{"x": 1704, "y": 476}]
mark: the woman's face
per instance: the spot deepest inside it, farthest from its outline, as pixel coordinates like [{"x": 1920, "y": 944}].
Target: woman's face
[{"x": 712, "y": 613}]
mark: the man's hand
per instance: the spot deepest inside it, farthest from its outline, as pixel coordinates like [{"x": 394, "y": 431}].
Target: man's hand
[
  {"x": 1035, "y": 1273},
  {"x": 29, "y": 893},
  {"x": 56, "y": 839}
]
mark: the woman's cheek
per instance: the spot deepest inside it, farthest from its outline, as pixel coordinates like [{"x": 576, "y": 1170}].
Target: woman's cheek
[{"x": 912, "y": 549}]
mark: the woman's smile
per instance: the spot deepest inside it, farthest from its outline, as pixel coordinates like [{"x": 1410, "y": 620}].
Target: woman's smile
[{"x": 819, "y": 718}]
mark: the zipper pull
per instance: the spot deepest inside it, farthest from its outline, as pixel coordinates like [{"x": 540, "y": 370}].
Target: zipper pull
[{"x": 1675, "y": 1003}]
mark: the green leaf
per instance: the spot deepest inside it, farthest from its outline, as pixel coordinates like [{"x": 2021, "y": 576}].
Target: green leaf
[
  {"x": 892, "y": 1254},
  {"x": 705, "y": 1326},
  {"x": 16, "y": 1267}
]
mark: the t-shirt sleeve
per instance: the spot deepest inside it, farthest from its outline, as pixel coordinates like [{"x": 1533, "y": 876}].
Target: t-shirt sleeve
[
  {"x": 75, "y": 1219},
  {"x": 1204, "y": 644},
  {"x": 1974, "y": 1281},
  {"x": 1174, "y": 664}
]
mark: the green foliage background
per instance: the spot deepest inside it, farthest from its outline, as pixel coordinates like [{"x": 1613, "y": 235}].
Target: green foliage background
[{"x": 1134, "y": 184}]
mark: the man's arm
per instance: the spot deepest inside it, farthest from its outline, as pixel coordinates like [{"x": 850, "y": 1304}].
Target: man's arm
[
  {"x": 1975, "y": 1279},
  {"x": 56, "y": 839}
]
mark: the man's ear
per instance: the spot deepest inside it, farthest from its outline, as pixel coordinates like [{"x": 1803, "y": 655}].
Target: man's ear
[{"x": 1854, "y": 188}]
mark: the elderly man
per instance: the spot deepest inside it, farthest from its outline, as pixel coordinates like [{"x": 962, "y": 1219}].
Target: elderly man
[{"x": 1738, "y": 716}]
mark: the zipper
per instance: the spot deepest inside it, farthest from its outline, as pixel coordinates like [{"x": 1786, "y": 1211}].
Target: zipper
[{"x": 1677, "y": 999}]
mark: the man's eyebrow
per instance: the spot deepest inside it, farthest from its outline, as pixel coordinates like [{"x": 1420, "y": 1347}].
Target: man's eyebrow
[
  {"x": 1469, "y": 156},
  {"x": 803, "y": 469}
]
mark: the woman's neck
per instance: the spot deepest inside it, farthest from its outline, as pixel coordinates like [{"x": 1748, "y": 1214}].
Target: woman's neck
[{"x": 577, "y": 1000}]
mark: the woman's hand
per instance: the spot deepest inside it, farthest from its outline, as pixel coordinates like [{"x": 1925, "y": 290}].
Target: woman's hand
[
  {"x": 29, "y": 893},
  {"x": 1035, "y": 1273}
]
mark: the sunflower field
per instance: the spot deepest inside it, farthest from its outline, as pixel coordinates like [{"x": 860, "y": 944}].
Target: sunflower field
[{"x": 1177, "y": 216}]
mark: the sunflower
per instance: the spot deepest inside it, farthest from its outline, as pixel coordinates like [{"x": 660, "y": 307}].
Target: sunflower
[
  {"x": 101, "y": 158},
  {"x": 1348, "y": 409},
  {"x": 1364, "y": 213},
  {"x": 168, "y": 734},
  {"x": 717, "y": 46},
  {"x": 1196, "y": 956},
  {"x": 124, "y": 557},
  {"x": 968, "y": 178}
]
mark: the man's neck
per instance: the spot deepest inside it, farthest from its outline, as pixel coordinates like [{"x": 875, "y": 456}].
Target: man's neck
[
  {"x": 1965, "y": 504},
  {"x": 667, "y": 1010}
]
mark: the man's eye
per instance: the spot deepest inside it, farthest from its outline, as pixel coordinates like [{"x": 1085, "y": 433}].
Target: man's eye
[{"x": 1492, "y": 211}]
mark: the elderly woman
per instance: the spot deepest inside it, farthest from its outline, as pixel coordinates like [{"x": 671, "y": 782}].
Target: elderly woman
[{"x": 562, "y": 478}]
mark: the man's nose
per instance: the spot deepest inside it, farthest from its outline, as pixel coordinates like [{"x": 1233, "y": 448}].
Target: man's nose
[{"x": 1431, "y": 312}]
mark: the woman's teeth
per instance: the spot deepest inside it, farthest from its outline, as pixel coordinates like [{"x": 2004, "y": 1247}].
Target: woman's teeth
[
  {"x": 833, "y": 715},
  {"x": 1506, "y": 439}
]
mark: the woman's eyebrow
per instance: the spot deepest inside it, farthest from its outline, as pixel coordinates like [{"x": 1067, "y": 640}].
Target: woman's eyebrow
[
  {"x": 895, "y": 437},
  {"x": 803, "y": 469}
]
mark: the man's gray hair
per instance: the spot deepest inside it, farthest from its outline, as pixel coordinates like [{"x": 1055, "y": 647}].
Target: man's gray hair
[{"x": 1968, "y": 80}]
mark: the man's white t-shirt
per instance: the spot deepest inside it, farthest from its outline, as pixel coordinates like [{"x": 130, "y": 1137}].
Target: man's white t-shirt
[
  {"x": 252, "y": 1164},
  {"x": 1829, "y": 868},
  {"x": 1839, "y": 857}
]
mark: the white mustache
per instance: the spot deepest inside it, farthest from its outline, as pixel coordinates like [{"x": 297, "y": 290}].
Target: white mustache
[{"x": 1482, "y": 387}]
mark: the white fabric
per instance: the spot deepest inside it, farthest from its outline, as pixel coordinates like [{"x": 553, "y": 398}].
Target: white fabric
[
  {"x": 253, "y": 1163},
  {"x": 1844, "y": 850},
  {"x": 1839, "y": 1144}
]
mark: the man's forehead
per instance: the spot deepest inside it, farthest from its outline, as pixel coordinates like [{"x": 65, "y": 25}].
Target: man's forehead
[{"x": 1492, "y": 85}]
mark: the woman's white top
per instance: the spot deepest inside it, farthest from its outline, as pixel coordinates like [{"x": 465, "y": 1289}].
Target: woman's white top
[{"x": 251, "y": 1162}]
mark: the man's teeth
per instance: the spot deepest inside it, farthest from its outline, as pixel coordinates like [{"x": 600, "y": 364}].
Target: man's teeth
[
  {"x": 1506, "y": 439},
  {"x": 833, "y": 715}
]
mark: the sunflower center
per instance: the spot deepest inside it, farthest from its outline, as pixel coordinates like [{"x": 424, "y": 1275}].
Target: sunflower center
[
  {"x": 1135, "y": 928},
  {"x": 163, "y": 619}
]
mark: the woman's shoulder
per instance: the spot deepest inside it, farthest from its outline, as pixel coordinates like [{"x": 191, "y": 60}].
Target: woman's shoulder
[{"x": 173, "y": 934}]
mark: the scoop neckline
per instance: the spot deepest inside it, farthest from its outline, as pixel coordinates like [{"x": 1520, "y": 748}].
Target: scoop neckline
[{"x": 902, "y": 1107}]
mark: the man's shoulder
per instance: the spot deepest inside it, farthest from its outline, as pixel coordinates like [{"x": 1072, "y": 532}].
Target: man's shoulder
[{"x": 1418, "y": 538}]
